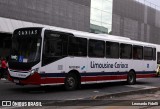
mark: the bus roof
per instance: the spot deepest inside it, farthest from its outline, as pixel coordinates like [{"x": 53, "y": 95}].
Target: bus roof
[{"x": 105, "y": 37}]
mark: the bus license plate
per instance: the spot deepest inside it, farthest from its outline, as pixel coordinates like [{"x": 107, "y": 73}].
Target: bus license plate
[{"x": 16, "y": 81}]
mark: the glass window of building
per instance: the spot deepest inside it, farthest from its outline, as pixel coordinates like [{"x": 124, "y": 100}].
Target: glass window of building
[{"x": 101, "y": 16}]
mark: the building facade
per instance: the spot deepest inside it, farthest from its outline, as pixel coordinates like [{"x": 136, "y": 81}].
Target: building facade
[
  {"x": 135, "y": 20},
  {"x": 126, "y": 18},
  {"x": 72, "y": 14},
  {"x": 101, "y": 16}
]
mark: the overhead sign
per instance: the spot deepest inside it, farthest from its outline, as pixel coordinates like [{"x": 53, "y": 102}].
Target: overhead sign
[{"x": 27, "y": 32}]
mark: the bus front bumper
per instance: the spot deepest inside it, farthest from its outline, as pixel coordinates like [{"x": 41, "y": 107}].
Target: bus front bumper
[{"x": 36, "y": 79}]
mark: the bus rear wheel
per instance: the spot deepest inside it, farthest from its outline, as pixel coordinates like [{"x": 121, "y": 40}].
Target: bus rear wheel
[
  {"x": 131, "y": 78},
  {"x": 71, "y": 82}
]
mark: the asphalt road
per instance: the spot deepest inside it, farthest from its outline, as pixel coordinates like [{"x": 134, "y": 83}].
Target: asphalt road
[{"x": 10, "y": 91}]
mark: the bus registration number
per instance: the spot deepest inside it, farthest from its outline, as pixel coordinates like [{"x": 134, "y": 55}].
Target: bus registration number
[{"x": 16, "y": 81}]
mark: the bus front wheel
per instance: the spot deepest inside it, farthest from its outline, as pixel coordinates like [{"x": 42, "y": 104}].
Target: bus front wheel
[
  {"x": 131, "y": 78},
  {"x": 71, "y": 82}
]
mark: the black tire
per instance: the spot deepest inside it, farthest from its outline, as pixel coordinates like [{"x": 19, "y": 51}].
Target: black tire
[
  {"x": 71, "y": 82},
  {"x": 131, "y": 78}
]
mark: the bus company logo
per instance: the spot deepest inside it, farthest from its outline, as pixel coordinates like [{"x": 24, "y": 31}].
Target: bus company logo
[
  {"x": 83, "y": 67},
  {"x": 108, "y": 65},
  {"x": 6, "y": 103}
]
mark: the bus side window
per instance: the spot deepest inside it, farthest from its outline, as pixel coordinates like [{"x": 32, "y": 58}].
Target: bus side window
[
  {"x": 154, "y": 53},
  {"x": 125, "y": 51},
  {"x": 112, "y": 50},
  {"x": 158, "y": 57},
  {"x": 54, "y": 46},
  {"x": 137, "y": 52},
  {"x": 96, "y": 48},
  {"x": 77, "y": 46},
  {"x": 148, "y": 53}
]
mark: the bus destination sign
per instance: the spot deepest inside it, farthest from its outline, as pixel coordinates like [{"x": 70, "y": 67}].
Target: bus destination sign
[{"x": 27, "y": 32}]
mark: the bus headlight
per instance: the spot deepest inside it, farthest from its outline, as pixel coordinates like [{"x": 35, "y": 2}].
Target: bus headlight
[{"x": 33, "y": 71}]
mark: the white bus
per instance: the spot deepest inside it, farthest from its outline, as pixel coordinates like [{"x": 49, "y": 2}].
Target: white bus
[
  {"x": 52, "y": 56},
  {"x": 158, "y": 60}
]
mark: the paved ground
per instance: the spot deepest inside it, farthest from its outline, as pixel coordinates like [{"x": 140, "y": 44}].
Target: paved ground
[
  {"x": 103, "y": 92},
  {"x": 149, "y": 101},
  {"x": 10, "y": 91}
]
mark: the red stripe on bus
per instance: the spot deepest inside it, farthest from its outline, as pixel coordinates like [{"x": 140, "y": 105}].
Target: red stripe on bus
[
  {"x": 145, "y": 75},
  {"x": 36, "y": 79},
  {"x": 52, "y": 80},
  {"x": 101, "y": 78}
]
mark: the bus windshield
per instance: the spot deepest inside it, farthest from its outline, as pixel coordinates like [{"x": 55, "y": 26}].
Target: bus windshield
[{"x": 25, "y": 49}]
